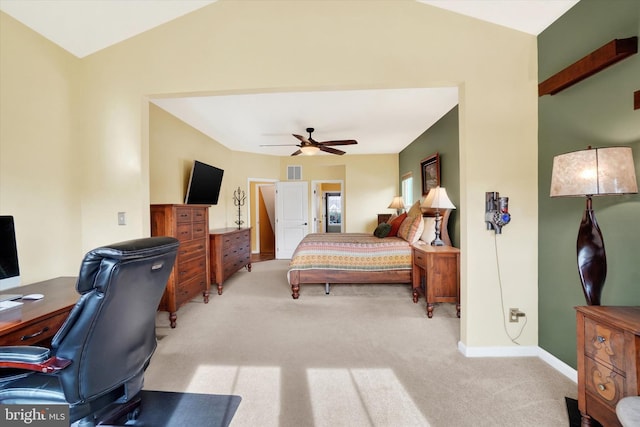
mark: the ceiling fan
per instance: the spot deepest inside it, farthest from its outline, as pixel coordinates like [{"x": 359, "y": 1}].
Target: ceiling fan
[{"x": 310, "y": 146}]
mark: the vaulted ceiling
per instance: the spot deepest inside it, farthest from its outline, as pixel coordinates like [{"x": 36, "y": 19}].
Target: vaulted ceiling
[{"x": 388, "y": 120}]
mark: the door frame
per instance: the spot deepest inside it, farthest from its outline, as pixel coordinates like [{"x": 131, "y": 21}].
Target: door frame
[
  {"x": 317, "y": 202},
  {"x": 254, "y": 208}
]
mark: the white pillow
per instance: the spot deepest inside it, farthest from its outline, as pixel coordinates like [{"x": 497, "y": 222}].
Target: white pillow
[{"x": 429, "y": 232}]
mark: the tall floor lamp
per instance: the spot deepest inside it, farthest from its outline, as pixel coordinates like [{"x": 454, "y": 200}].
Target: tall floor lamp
[{"x": 593, "y": 172}]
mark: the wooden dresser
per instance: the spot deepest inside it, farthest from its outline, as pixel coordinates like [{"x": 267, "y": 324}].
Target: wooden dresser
[
  {"x": 230, "y": 251},
  {"x": 190, "y": 275},
  {"x": 608, "y": 341},
  {"x": 440, "y": 267}
]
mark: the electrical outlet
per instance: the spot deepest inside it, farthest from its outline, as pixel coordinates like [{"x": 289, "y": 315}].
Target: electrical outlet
[
  {"x": 122, "y": 218},
  {"x": 515, "y": 315}
]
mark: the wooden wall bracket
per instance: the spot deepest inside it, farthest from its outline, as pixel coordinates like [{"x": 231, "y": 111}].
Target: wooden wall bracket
[
  {"x": 636, "y": 100},
  {"x": 612, "y": 52}
]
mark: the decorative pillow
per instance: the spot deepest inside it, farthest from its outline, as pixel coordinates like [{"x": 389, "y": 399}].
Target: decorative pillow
[
  {"x": 411, "y": 229},
  {"x": 382, "y": 230},
  {"x": 391, "y": 218},
  {"x": 415, "y": 210},
  {"x": 395, "y": 225},
  {"x": 429, "y": 232}
]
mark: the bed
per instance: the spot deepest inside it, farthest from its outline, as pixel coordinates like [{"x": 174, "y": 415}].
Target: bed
[{"x": 344, "y": 258}]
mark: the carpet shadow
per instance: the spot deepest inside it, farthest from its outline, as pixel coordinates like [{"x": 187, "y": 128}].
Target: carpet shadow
[{"x": 172, "y": 409}]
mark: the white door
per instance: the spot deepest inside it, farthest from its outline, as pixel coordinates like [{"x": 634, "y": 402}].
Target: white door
[{"x": 292, "y": 216}]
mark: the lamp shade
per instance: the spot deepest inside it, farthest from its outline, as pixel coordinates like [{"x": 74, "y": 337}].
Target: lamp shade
[
  {"x": 594, "y": 172},
  {"x": 309, "y": 150},
  {"x": 397, "y": 203},
  {"x": 437, "y": 199}
]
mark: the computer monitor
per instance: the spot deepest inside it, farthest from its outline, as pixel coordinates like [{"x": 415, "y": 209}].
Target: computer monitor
[{"x": 9, "y": 269}]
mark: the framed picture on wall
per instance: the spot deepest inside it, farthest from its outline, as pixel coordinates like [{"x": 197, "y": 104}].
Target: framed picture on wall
[{"x": 430, "y": 169}]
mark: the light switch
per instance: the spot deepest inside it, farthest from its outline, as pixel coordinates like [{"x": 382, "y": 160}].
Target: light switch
[{"x": 122, "y": 218}]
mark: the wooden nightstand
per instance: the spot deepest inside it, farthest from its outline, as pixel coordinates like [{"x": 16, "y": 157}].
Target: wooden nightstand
[
  {"x": 440, "y": 266},
  {"x": 383, "y": 218},
  {"x": 608, "y": 344}
]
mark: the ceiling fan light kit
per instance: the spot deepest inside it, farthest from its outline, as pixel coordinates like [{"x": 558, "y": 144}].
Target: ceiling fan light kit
[
  {"x": 309, "y": 146},
  {"x": 309, "y": 150}
]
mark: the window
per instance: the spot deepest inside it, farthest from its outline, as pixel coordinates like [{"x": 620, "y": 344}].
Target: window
[{"x": 407, "y": 189}]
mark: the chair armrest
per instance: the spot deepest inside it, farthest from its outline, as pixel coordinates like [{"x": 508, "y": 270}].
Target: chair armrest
[{"x": 31, "y": 358}]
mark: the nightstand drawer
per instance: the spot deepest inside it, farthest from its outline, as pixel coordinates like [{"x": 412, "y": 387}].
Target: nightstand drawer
[
  {"x": 604, "y": 343},
  {"x": 419, "y": 259}
]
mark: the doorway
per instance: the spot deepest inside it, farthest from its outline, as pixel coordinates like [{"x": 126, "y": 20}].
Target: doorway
[
  {"x": 333, "y": 212},
  {"x": 327, "y": 206}
]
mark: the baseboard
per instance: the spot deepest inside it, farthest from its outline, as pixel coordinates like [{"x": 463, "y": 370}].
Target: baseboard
[
  {"x": 515, "y": 351},
  {"x": 559, "y": 365},
  {"x": 521, "y": 351}
]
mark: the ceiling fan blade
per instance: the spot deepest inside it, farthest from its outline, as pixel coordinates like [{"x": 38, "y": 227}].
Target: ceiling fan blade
[
  {"x": 330, "y": 150},
  {"x": 297, "y": 152},
  {"x": 339, "y": 142},
  {"x": 301, "y": 138}
]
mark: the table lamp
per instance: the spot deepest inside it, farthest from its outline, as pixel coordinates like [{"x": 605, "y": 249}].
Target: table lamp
[
  {"x": 587, "y": 173},
  {"x": 397, "y": 203},
  {"x": 437, "y": 199}
]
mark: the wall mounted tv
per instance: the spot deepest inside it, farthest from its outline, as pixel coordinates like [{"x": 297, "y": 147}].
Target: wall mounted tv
[{"x": 204, "y": 184}]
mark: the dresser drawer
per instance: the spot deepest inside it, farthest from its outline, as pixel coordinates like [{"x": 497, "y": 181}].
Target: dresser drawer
[
  {"x": 190, "y": 269},
  {"x": 191, "y": 249},
  {"x": 199, "y": 230},
  {"x": 604, "y": 383},
  {"x": 604, "y": 343},
  {"x": 184, "y": 232},
  {"x": 36, "y": 332},
  {"x": 184, "y": 214},
  {"x": 190, "y": 289}
]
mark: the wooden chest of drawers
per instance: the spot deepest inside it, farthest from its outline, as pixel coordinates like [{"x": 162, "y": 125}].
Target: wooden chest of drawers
[
  {"x": 230, "y": 251},
  {"x": 190, "y": 275},
  {"x": 608, "y": 341}
]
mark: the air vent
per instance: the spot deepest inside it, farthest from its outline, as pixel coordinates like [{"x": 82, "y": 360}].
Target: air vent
[{"x": 294, "y": 173}]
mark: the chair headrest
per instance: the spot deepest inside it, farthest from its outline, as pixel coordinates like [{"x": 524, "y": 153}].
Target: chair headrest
[{"x": 122, "y": 251}]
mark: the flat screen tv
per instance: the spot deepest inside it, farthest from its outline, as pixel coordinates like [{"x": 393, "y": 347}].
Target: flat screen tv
[
  {"x": 204, "y": 184},
  {"x": 9, "y": 270}
]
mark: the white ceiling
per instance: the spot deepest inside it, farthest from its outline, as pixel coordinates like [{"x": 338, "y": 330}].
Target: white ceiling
[{"x": 383, "y": 121}]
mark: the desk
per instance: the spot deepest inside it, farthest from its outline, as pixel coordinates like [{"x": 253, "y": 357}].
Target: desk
[
  {"x": 42, "y": 318},
  {"x": 440, "y": 266}
]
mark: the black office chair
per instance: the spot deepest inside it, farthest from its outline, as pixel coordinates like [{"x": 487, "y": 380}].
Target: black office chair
[{"x": 98, "y": 357}]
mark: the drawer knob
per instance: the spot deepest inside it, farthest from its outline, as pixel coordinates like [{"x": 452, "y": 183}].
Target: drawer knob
[
  {"x": 601, "y": 339},
  {"x": 601, "y": 387}
]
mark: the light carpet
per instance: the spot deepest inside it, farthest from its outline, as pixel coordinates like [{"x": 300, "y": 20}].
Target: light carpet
[{"x": 365, "y": 355}]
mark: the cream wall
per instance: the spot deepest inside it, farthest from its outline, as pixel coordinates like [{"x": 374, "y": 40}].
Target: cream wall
[
  {"x": 370, "y": 183},
  {"x": 236, "y": 46},
  {"x": 174, "y": 145},
  {"x": 39, "y": 164}
]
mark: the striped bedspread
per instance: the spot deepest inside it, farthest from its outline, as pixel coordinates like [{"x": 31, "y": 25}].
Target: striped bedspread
[{"x": 351, "y": 251}]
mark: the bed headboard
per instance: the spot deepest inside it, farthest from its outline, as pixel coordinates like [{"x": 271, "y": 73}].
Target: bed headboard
[{"x": 444, "y": 229}]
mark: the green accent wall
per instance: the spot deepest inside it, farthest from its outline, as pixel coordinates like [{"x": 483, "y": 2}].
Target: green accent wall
[
  {"x": 599, "y": 112},
  {"x": 441, "y": 138}
]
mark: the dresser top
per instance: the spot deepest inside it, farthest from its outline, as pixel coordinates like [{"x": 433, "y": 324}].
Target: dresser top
[
  {"x": 625, "y": 317},
  {"x": 228, "y": 230}
]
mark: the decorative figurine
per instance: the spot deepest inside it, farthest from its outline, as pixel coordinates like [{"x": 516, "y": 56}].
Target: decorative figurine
[{"x": 238, "y": 200}]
